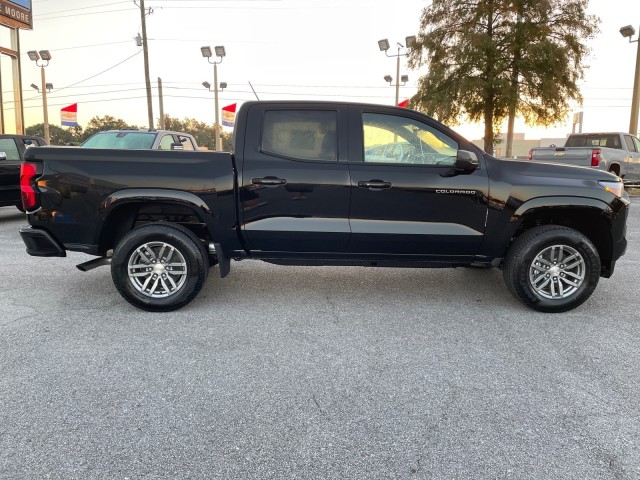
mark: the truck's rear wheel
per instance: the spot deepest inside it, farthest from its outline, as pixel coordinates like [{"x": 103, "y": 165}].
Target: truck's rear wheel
[
  {"x": 552, "y": 268},
  {"x": 159, "y": 267}
]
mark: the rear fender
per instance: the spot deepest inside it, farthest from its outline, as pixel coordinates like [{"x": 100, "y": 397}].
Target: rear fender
[{"x": 118, "y": 218}]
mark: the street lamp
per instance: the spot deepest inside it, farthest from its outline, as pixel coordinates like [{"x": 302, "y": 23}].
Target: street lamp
[
  {"x": 384, "y": 47},
  {"x": 404, "y": 79},
  {"x": 629, "y": 32},
  {"x": 220, "y": 52},
  {"x": 40, "y": 58}
]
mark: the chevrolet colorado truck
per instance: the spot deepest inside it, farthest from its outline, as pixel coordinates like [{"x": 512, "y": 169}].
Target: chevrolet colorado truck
[
  {"x": 322, "y": 183},
  {"x": 12, "y": 148},
  {"x": 615, "y": 152}
]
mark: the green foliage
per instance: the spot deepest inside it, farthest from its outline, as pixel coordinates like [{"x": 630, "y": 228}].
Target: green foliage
[
  {"x": 57, "y": 135},
  {"x": 99, "y": 124},
  {"x": 485, "y": 55}
]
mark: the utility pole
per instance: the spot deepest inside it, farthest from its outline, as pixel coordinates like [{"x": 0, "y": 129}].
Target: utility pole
[
  {"x": 145, "y": 53},
  {"x": 161, "y": 103}
]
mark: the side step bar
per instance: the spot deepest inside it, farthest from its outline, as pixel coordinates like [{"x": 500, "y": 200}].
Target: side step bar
[{"x": 95, "y": 263}]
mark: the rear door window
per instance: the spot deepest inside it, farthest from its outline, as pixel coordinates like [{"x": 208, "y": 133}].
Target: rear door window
[{"x": 300, "y": 134}]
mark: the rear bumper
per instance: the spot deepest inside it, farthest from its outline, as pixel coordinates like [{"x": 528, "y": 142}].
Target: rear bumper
[{"x": 41, "y": 243}]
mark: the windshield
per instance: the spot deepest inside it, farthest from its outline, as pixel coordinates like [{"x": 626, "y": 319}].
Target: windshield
[{"x": 124, "y": 140}]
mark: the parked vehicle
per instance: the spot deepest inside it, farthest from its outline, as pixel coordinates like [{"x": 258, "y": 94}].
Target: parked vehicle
[
  {"x": 615, "y": 152},
  {"x": 305, "y": 186},
  {"x": 141, "y": 140},
  {"x": 12, "y": 148}
]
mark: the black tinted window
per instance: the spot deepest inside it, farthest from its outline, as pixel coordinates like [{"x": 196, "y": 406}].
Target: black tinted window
[
  {"x": 609, "y": 141},
  {"x": 303, "y": 134}
]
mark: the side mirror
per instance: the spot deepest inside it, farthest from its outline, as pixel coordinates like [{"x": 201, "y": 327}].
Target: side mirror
[
  {"x": 3, "y": 155},
  {"x": 466, "y": 163}
]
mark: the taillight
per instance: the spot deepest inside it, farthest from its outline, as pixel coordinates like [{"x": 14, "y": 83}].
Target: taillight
[
  {"x": 595, "y": 157},
  {"x": 28, "y": 172},
  {"x": 530, "y": 154}
]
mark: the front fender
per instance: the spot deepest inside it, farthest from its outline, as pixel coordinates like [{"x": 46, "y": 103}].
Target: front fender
[{"x": 534, "y": 204}]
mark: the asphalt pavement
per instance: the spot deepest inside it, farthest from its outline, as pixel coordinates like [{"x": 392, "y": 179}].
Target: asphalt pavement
[{"x": 315, "y": 373}]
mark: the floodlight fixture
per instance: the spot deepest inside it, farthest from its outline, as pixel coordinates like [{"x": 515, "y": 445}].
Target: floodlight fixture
[
  {"x": 223, "y": 85},
  {"x": 206, "y": 52},
  {"x": 404, "y": 78},
  {"x": 409, "y": 41},
  {"x": 383, "y": 44},
  {"x": 49, "y": 86},
  {"x": 220, "y": 51},
  {"x": 388, "y": 78},
  {"x": 45, "y": 55},
  {"x": 206, "y": 85},
  {"x": 33, "y": 55},
  {"x": 627, "y": 31},
  {"x": 35, "y": 87}
]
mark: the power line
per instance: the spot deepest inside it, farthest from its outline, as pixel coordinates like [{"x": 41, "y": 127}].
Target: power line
[
  {"x": 104, "y": 71},
  {"x": 80, "y": 8}
]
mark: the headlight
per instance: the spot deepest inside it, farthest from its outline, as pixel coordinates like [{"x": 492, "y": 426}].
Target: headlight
[{"x": 617, "y": 188}]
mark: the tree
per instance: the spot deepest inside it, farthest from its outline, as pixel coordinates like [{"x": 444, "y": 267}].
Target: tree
[
  {"x": 489, "y": 57},
  {"x": 202, "y": 132},
  {"x": 57, "y": 135},
  {"x": 99, "y": 124}
]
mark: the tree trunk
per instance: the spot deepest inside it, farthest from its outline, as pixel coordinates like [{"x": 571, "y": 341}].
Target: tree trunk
[
  {"x": 488, "y": 92},
  {"x": 488, "y": 124}
]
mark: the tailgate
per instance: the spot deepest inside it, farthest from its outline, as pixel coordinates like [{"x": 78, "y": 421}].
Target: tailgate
[{"x": 569, "y": 156}]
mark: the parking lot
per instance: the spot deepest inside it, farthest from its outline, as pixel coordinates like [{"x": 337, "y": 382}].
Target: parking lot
[{"x": 315, "y": 372}]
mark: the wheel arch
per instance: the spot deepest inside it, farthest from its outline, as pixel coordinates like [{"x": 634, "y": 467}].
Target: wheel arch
[
  {"x": 591, "y": 217},
  {"x": 126, "y": 209}
]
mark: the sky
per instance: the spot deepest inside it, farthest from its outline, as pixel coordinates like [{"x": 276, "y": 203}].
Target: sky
[{"x": 287, "y": 49}]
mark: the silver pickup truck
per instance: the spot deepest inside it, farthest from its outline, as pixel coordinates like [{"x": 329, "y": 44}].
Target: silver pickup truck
[{"x": 615, "y": 152}]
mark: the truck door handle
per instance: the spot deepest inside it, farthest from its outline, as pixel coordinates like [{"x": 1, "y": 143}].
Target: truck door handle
[
  {"x": 374, "y": 184},
  {"x": 268, "y": 181}
]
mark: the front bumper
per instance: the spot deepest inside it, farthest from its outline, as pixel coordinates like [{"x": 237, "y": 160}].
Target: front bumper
[{"x": 41, "y": 243}]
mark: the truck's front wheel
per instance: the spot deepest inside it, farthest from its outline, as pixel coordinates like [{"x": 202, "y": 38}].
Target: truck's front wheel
[
  {"x": 552, "y": 268},
  {"x": 159, "y": 267}
]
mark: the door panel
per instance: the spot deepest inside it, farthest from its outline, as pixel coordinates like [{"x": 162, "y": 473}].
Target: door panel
[
  {"x": 294, "y": 191},
  {"x": 421, "y": 211}
]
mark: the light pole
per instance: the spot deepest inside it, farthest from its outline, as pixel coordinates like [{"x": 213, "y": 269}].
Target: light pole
[
  {"x": 404, "y": 79},
  {"x": 629, "y": 32},
  {"x": 45, "y": 56},
  {"x": 384, "y": 47},
  {"x": 220, "y": 53}
]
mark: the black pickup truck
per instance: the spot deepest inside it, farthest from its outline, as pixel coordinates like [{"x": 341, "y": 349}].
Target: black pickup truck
[
  {"x": 316, "y": 183},
  {"x": 12, "y": 148}
]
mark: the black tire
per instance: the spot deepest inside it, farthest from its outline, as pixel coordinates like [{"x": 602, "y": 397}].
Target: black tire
[
  {"x": 164, "y": 285},
  {"x": 533, "y": 278}
]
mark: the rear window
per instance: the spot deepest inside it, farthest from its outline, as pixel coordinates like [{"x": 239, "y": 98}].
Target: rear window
[
  {"x": 123, "y": 140},
  {"x": 609, "y": 141}
]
